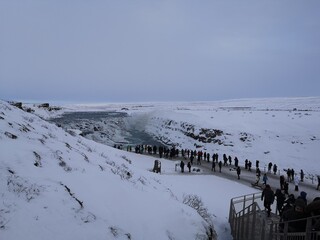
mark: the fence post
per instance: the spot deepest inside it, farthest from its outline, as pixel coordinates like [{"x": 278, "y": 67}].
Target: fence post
[
  {"x": 254, "y": 212},
  {"x": 308, "y": 228},
  {"x": 285, "y": 231},
  {"x": 248, "y": 221},
  {"x": 271, "y": 231}
]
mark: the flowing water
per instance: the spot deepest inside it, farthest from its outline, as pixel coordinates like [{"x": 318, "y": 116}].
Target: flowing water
[{"x": 108, "y": 127}]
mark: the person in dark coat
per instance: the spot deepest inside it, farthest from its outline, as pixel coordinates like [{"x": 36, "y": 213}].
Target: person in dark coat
[
  {"x": 225, "y": 160},
  {"x": 313, "y": 208},
  {"x": 191, "y": 159},
  {"x": 282, "y": 180},
  {"x": 318, "y": 182},
  {"x": 213, "y": 168},
  {"x": 295, "y": 213},
  {"x": 268, "y": 198},
  {"x": 220, "y": 166},
  {"x": 249, "y": 165},
  {"x": 236, "y": 162},
  {"x": 303, "y": 196},
  {"x": 286, "y": 187},
  {"x": 258, "y": 172},
  {"x": 280, "y": 197},
  {"x": 275, "y": 168},
  {"x": 269, "y": 166},
  {"x": 288, "y": 203},
  {"x": 301, "y": 175},
  {"x": 238, "y": 172},
  {"x": 189, "y": 166},
  {"x": 182, "y": 166},
  {"x": 289, "y": 175}
]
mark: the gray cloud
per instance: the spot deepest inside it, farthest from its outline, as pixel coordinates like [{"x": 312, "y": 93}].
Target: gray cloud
[{"x": 158, "y": 50}]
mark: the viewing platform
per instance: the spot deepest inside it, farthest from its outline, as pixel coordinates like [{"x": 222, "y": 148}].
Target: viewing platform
[{"x": 248, "y": 221}]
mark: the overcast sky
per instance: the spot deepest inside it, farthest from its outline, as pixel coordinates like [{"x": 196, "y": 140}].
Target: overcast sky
[{"x": 158, "y": 50}]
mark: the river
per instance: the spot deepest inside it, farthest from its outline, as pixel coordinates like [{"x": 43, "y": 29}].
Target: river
[{"x": 107, "y": 127}]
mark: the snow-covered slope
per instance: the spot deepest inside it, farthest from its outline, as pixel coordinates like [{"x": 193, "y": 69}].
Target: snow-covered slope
[
  {"x": 281, "y": 131},
  {"x": 57, "y": 186}
]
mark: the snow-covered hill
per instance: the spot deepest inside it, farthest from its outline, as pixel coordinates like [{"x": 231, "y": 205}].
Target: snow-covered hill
[
  {"x": 60, "y": 186},
  {"x": 281, "y": 131},
  {"x": 57, "y": 186},
  {"x": 284, "y": 131}
]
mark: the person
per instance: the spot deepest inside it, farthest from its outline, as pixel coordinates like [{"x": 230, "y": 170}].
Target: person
[
  {"x": 313, "y": 208},
  {"x": 191, "y": 159},
  {"x": 220, "y": 166},
  {"x": 238, "y": 172},
  {"x": 182, "y": 166},
  {"x": 275, "y": 168},
  {"x": 301, "y": 175},
  {"x": 189, "y": 166},
  {"x": 257, "y": 179},
  {"x": 292, "y": 174},
  {"x": 295, "y": 213},
  {"x": 318, "y": 182},
  {"x": 236, "y": 162},
  {"x": 296, "y": 183},
  {"x": 249, "y": 165},
  {"x": 269, "y": 166},
  {"x": 280, "y": 200},
  {"x": 282, "y": 180},
  {"x": 303, "y": 196},
  {"x": 286, "y": 187},
  {"x": 265, "y": 179},
  {"x": 258, "y": 173},
  {"x": 288, "y": 203},
  {"x": 268, "y": 198},
  {"x": 225, "y": 160},
  {"x": 213, "y": 166}
]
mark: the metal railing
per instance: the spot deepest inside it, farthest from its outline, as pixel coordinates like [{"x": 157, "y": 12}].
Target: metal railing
[{"x": 249, "y": 222}]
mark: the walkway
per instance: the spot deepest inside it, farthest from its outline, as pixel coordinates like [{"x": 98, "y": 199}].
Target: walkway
[{"x": 248, "y": 177}]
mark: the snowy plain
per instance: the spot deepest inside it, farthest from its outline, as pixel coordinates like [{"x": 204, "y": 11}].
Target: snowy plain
[{"x": 58, "y": 186}]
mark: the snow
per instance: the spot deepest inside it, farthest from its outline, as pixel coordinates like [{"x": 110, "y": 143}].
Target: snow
[{"x": 121, "y": 198}]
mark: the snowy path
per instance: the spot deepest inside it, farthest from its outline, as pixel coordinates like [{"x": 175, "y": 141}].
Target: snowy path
[{"x": 248, "y": 177}]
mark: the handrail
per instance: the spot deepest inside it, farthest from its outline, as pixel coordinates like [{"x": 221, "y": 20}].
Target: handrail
[{"x": 247, "y": 222}]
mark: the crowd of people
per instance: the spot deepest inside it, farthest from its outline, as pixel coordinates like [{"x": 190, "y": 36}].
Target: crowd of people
[
  {"x": 196, "y": 157},
  {"x": 288, "y": 207}
]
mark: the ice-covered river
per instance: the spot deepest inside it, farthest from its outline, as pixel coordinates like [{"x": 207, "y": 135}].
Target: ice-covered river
[{"x": 107, "y": 127}]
